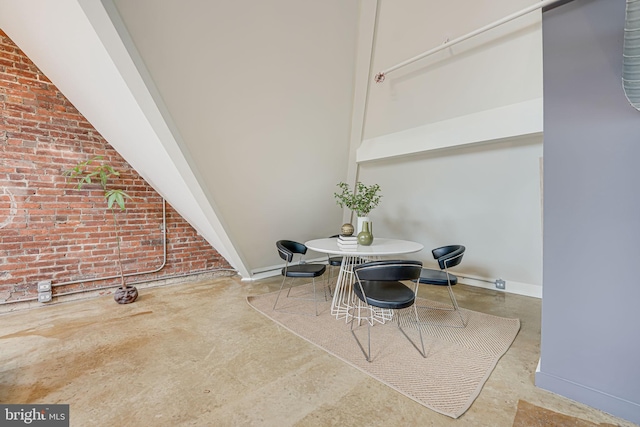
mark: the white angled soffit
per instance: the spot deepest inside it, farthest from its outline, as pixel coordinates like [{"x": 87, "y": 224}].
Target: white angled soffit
[
  {"x": 78, "y": 47},
  {"x": 510, "y": 121}
]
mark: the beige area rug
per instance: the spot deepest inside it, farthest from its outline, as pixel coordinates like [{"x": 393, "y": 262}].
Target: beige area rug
[{"x": 458, "y": 363}]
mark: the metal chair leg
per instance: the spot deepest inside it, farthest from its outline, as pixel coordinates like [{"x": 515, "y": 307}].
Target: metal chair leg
[
  {"x": 415, "y": 309},
  {"x": 454, "y": 305},
  {"x": 369, "y": 341},
  {"x": 367, "y": 355},
  {"x": 284, "y": 278},
  {"x": 315, "y": 296}
]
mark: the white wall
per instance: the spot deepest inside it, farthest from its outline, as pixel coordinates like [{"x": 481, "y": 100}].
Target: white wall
[
  {"x": 239, "y": 115},
  {"x": 261, "y": 94},
  {"x": 500, "y": 67},
  {"x": 254, "y": 95},
  {"x": 77, "y": 46},
  {"x": 486, "y": 195}
]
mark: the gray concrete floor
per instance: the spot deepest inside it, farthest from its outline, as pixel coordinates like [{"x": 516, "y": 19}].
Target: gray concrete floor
[{"x": 197, "y": 354}]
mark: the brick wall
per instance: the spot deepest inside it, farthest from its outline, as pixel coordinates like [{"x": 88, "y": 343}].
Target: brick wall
[{"x": 49, "y": 230}]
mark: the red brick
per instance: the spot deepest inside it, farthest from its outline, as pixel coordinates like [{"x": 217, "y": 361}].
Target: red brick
[{"x": 61, "y": 233}]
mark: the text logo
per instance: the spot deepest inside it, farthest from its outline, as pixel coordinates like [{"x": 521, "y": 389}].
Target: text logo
[{"x": 34, "y": 415}]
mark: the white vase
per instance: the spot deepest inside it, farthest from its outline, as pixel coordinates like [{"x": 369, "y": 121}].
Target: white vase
[{"x": 361, "y": 219}]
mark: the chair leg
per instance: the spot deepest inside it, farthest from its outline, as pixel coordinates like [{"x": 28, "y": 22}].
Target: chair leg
[
  {"x": 369, "y": 341},
  {"x": 367, "y": 355},
  {"x": 327, "y": 298},
  {"x": 329, "y": 279},
  {"x": 284, "y": 278},
  {"x": 330, "y": 269},
  {"x": 415, "y": 310},
  {"x": 315, "y": 296},
  {"x": 454, "y": 306},
  {"x": 422, "y": 353},
  {"x": 453, "y": 298},
  {"x": 454, "y": 302}
]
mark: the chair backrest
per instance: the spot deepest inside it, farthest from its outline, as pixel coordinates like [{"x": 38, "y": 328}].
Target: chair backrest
[
  {"x": 448, "y": 256},
  {"x": 389, "y": 270},
  {"x": 286, "y": 249}
]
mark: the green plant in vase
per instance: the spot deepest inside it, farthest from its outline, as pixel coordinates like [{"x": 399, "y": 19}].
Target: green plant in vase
[
  {"x": 361, "y": 201},
  {"x": 98, "y": 171}
]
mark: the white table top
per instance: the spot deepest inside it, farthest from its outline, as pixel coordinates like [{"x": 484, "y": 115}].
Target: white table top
[{"x": 379, "y": 247}]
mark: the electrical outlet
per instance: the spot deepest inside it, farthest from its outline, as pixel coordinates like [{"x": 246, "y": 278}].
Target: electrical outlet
[
  {"x": 44, "y": 296},
  {"x": 44, "y": 286},
  {"x": 500, "y": 284},
  {"x": 44, "y": 291}
]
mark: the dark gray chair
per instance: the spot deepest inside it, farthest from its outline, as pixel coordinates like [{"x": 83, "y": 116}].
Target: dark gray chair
[
  {"x": 333, "y": 261},
  {"x": 287, "y": 249},
  {"x": 378, "y": 284},
  {"x": 447, "y": 257}
]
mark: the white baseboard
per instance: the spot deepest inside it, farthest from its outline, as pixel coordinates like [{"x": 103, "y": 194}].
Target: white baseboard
[
  {"x": 262, "y": 275},
  {"x": 511, "y": 287}
]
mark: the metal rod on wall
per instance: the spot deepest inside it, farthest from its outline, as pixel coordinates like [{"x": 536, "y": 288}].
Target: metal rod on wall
[
  {"x": 155, "y": 270},
  {"x": 379, "y": 78}
]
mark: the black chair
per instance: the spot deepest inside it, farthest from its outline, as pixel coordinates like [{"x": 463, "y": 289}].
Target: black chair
[
  {"x": 378, "y": 284},
  {"x": 447, "y": 257},
  {"x": 333, "y": 261},
  {"x": 287, "y": 249}
]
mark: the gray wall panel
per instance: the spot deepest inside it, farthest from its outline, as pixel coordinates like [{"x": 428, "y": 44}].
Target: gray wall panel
[{"x": 590, "y": 323}]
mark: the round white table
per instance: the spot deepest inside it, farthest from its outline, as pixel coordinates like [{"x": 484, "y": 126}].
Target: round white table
[{"x": 344, "y": 300}]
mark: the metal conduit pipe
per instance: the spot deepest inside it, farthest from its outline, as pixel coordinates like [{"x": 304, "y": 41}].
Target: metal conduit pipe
[
  {"x": 379, "y": 77},
  {"x": 164, "y": 260},
  {"x": 176, "y": 276},
  {"x": 19, "y": 300},
  {"x": 164, "y": 263}
]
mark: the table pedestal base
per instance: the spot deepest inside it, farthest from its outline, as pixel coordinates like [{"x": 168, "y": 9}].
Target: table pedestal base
[{"x": 345, "y": 303}]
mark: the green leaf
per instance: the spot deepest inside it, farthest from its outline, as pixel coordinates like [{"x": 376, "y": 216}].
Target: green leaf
[
  {"x": 110, "y": 199},
  {"x": 362, "y": 201},
  {"x": 95, "y": 171},
  {"x": 118, "y": 197}
]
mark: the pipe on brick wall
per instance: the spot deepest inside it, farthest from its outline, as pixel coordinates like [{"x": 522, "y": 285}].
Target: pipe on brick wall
[
  {"x": 79, "y": 291},
  {"x": 139, "y": 273},
  {"x": 177, "y": 276},
  {"x": 164, "y": 263},
  {"x": 99, "y": 279}
]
